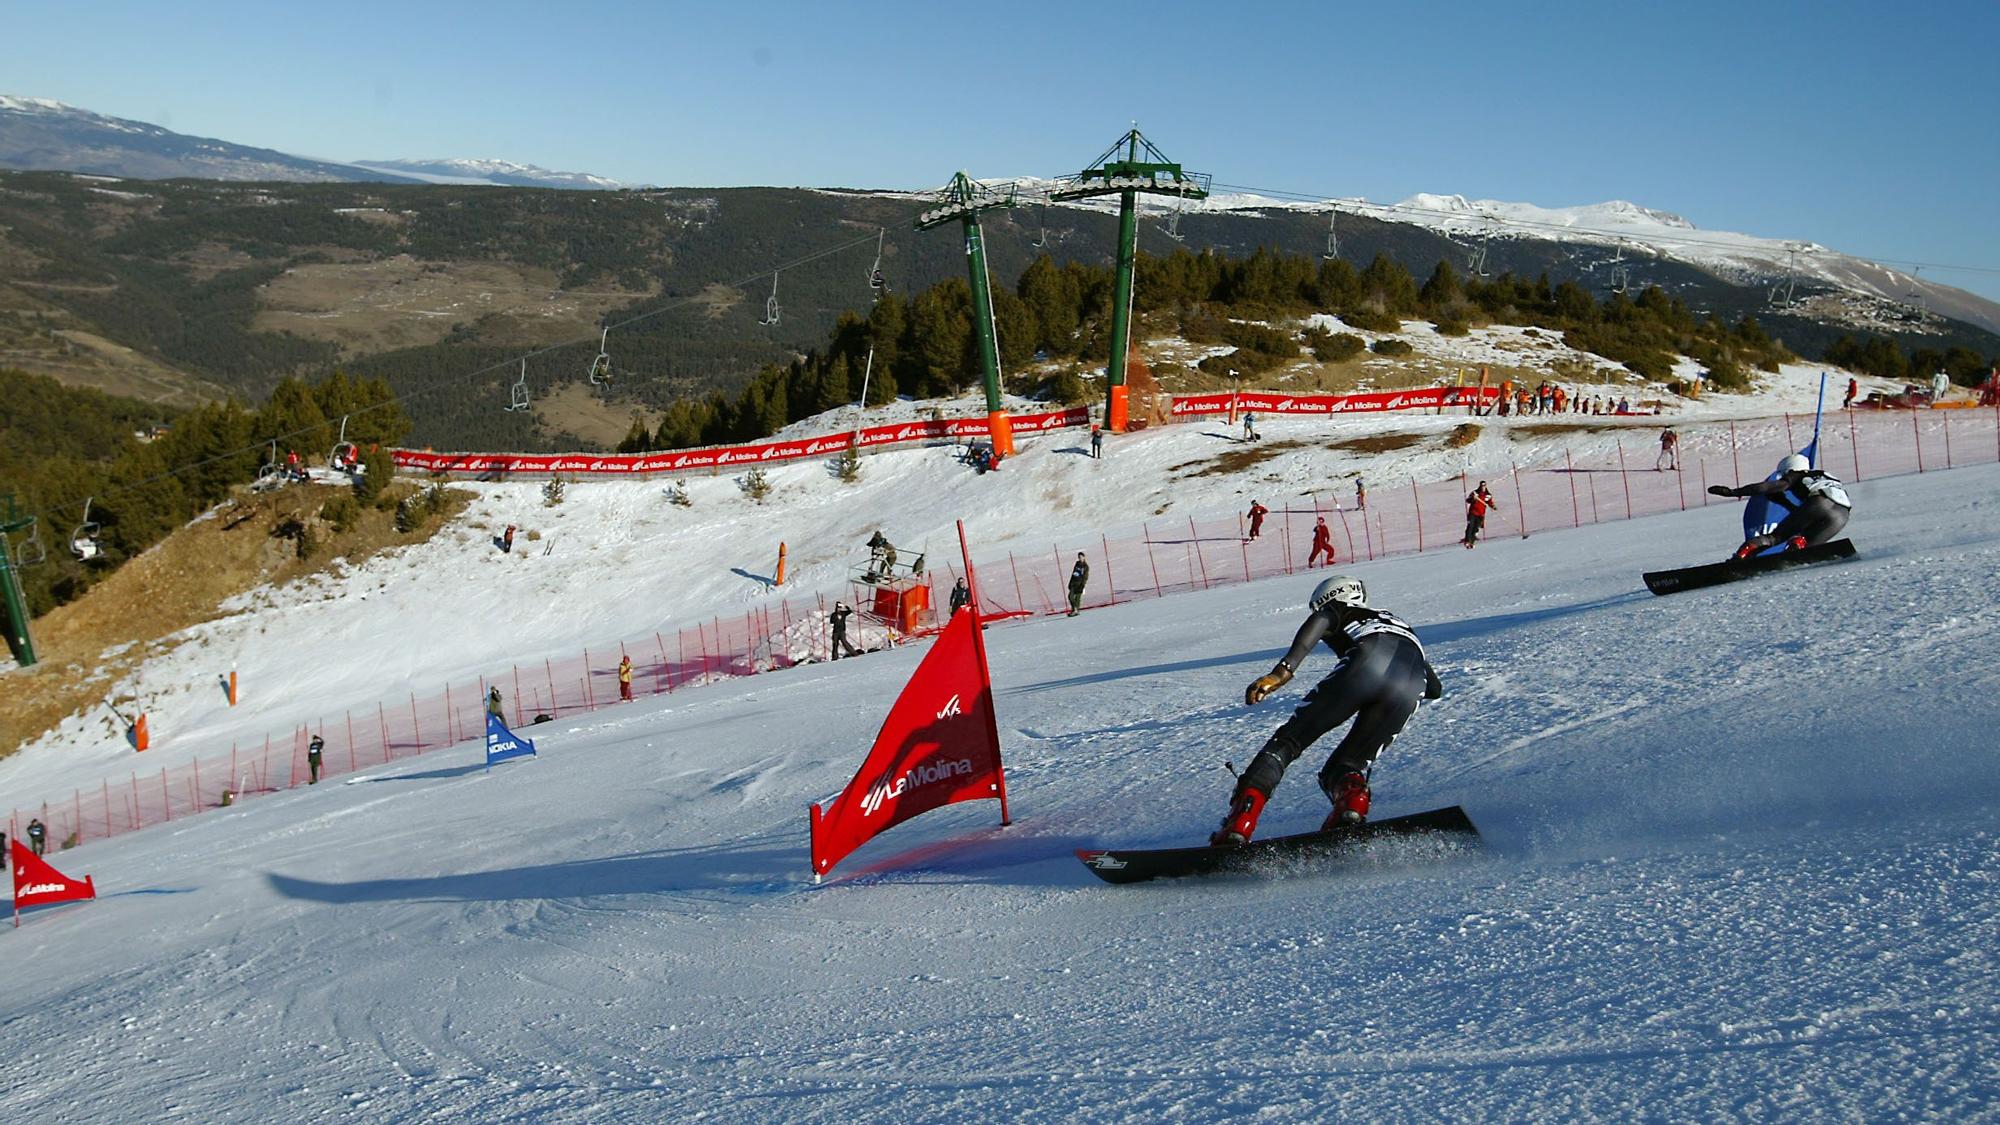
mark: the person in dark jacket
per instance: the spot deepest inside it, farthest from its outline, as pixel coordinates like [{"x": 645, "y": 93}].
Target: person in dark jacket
[
  {"x": 493, "y": 705},
  {"x": 1476, "y": 507},
  {"x": 38, "y": 836},
  {"x": 1079, "y": 577},
  {"x": 960, "y": 595},
  {"x": 838, "y": 619},
  {"x": 1381, "y": 675},
  {"x": 315, "y": 754}
]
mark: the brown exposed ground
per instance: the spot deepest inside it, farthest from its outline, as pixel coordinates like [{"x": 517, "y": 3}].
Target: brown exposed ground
[
  {"x": 88, "y": 645},
  {"x": 403, "y": 302},
  {"x": 580, "y": 409},
  {"x": 44, "y": 339},
  {"x": 1376, "y": 443}
]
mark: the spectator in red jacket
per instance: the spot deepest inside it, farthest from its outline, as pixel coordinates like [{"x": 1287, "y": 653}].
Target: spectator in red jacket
[
  {"x": 1476, "y": 507},
  {"x": 1257, "y": 513},
  {"x": 1322, "y": 543}
]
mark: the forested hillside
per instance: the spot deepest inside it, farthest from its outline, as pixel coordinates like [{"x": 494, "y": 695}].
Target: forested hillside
[{"x": 440, "y": 290}]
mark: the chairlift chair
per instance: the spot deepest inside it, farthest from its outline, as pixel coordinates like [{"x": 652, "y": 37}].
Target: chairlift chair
[
  {"x": 1332, "y": 234},
  {"x": 83, "y": 540},
  {"x": 271, "y": 474},
  {"x": 771, "y": 310},
  {"x": 32, "y": 551},
  {"x": 345, "y": 453},
  {"x": 1043, "y": 239},
  {"x": 600, "y": 368},
  {"x": 876, "y": 281},
  {"x": 519, "y": 393}
]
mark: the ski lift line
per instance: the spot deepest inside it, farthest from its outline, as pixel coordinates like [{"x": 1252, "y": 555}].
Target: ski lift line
[
  {"x": 1362, "y": 206},
  {"x": 454, "y": 385}
]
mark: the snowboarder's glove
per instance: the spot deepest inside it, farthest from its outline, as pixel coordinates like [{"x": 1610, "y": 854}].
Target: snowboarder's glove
[
  {"x": 1721, "y": 490},
  {"x": 1271, "y": 681}
]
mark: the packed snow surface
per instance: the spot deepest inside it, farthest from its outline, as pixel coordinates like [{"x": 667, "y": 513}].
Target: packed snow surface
[{"x": 1740, "y": 863}]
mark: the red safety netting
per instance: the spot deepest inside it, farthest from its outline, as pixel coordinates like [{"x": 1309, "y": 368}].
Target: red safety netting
[{"x": 1160, "y": 557}]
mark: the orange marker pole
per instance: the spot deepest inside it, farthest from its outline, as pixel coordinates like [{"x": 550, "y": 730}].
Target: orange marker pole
[{"x": 781, "y": 566}]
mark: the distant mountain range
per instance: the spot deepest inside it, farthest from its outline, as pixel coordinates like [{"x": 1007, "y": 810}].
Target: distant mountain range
[{"x": 37, "y": 134}]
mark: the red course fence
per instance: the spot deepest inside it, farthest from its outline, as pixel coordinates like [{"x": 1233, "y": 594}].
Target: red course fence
[{"x": 1163, "y": 556}]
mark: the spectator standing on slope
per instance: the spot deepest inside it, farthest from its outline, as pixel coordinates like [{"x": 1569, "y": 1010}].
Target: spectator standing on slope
[
  {"x": 1322, "y": 543},
  {"x": 838, "y": 619},
  {"x": 1079, "y": 577},
  {"x": 1853, "y": 388},
  {"x": 1249, "y": 426},
  {"x": 1360, "y": 495},
  {"x": 1096, "y": 441},
  {"x": 315, "y": 754},
  {"x": 1670, "y": 451},
  {"x": 493, "y": 705},
  {"x": 960, "y": 595},
  {"x": 1257, "y": 513},
  {"x": 1476, "y": 507},
  {"x": 625, "y": 678},
  {"x": 37, "y": 835},
  {"x": 507, "y": 540}
]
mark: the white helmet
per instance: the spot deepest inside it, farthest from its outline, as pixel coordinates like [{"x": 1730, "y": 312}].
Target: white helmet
[
  {"x": 1794, "y": 463},
  {"x": 1341, "y": 588}
]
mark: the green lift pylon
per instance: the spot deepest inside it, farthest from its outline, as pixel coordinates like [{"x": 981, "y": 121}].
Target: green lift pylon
[
  {"x": 1122, "y": 172},
  {"x": 15, "y": 606},
  {"x": 963, "y": 199}
]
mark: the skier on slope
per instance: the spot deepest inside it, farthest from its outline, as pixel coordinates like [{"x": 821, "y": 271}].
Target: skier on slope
[
  {"x": 1816, "y": 506},
  {"x": 1381, "y": 674},
  {"x": 1257, "y": 513},
  {"x": 1322, "y": 544},
  {"x": 1476, "y": 507}
]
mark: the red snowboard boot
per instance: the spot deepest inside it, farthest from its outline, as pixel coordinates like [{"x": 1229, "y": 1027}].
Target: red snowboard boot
[
  {"x": 1350, "y": 803},
  {"x": 1241, "y": 823}
]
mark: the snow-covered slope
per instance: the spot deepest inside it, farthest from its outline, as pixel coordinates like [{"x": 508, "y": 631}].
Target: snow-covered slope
[
  {"x": 443, "y": 171},
  {"x": 1740, "y": 863}
]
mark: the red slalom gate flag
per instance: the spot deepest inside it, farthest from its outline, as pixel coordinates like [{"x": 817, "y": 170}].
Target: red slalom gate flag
[
  {"x": 38, "y": 884},
  {"x": 940, "y": 745}
]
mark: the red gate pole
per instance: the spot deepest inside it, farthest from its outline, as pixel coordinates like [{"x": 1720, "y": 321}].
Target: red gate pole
[
  {"x": 414, "y": 728},
  {"x": 1735, "y": 462},
  {"x": 660, "y": 677},
  {"x": 1947, "y": 439},
  {"x": 1624, "y": 477},
  {"x": 1417, "y": 498},
  {"x": 589, "y": 696},
  {"x": 350, "y": 747},
  {"x": 1146, "y": 531},
  {"x": 1917, "y": 438},
  {"x": 548, "y": 670},
  {"x": 1110, "y": 581},
  {"x": 450, "y": 717},
  {"x": 1520, "y": 505},
  {"x": 382, "y": 721},
  {"x": 1575, "y": 513}
]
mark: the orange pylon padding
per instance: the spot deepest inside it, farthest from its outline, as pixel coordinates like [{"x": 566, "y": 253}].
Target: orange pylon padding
[{"x": 140, "y": 739}]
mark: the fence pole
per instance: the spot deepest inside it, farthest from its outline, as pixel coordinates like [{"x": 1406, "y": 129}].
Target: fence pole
[
  {"x": 1110, "y": 580},
  {"x": 548, "y": 670},
  {"x": 1245, "y": 544},
  {"x": 1288, "y": 541},
  {"x": 1575, "y": 513},
  {"x": 1854, "y": 445},
  {"x": 294, "y": 756},
  {"x": 1194, "y": 540},
  {"x": 1736, "y": 463},
  {"x": 1789, "y": 442},
  {"x": 381, "y": 719},
  {"x": 660, "y": 677},
  {"x": 1367, "y": 534},
  {"x": 1417, "y": 498},
  {"x": 589, "y": 696},
  {"x": 1020, "y": 599},
  {"x": 1520, "y": 504},
  {"x": 1680, "y": 479},
  {"x": 1917, "y": 438},
  {"x": 1146, "y": 530},
  {"x": 166, "y": 795},
  {"x": 414, "y": 728},
  {"x": 450, "y": 718},
  {"x": 1624, "y": 477},
  {"x": 1947, "y": 439},
  {"x": 197, "y": 792},
  {"x": 350, "y": 747},
  {"x": 107, "y": 800}
]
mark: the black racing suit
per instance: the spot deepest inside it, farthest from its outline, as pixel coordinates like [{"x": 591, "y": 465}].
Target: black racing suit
[
  {"x": 1381, "y": 674},
  {"x": 1815, "y": 504}
]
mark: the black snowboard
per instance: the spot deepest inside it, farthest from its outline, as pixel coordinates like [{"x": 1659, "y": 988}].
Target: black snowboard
[
  {"x": 1733, "y": 570},
  {"x": 1172, "y": 863}
]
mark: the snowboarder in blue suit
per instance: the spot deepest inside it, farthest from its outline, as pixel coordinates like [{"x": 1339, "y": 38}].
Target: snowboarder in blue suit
[
  {"x": 1816, "y": 506},
  {"x": 1381, "y": 674}
]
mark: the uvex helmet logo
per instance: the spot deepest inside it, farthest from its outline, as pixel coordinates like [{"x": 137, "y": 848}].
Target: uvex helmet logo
[{"x": 950, "y": 708}]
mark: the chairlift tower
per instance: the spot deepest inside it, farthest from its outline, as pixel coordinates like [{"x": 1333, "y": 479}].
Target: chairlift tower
[
  {"x": 18, "y": 640},
  {"x": 1129, "y": 168},
  {"x": 963, "y": 199}
]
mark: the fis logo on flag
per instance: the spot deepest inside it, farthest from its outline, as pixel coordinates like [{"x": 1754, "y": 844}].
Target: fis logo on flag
[
  {"x": 950, "y": 709},
  {"x": 503, "y": 744}
]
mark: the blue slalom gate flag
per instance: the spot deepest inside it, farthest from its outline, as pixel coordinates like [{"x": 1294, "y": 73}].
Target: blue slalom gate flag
[{"x": 504, "y": 745}]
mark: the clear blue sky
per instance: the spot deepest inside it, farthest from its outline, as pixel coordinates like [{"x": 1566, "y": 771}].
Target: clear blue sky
[{"x": 1868, "y": 127}]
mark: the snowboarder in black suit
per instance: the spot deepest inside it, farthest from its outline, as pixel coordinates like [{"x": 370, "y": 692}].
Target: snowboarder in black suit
[
  {"x": 1816, "y": 506},
  {"x": 1381, "y": 674},
  {"x": 838, "y": 619}
]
